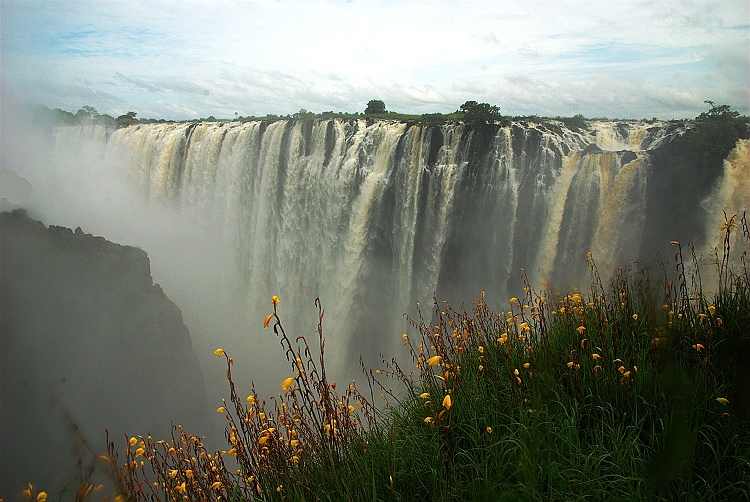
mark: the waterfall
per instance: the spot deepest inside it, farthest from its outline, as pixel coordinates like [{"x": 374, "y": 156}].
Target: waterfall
[{"x": 376, "y": 216}]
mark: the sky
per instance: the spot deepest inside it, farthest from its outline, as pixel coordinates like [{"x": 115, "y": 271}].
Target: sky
[{"x": 190, "y": 59}]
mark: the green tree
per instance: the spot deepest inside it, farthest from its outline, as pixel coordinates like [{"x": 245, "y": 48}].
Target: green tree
[
  {"x": 88, "y": 113},
  {"x": 375, "y": 106},
  {"x": 479, "y": 113},
  {"x": 127, "y": 119},
  {"x": 303, "y": 114}
]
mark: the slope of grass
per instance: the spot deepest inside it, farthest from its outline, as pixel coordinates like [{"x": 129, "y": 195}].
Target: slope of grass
[{"x": 578, "y": 396}]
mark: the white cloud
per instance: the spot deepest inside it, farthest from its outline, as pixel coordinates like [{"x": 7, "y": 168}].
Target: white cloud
[{"x": 277, "y": 57}]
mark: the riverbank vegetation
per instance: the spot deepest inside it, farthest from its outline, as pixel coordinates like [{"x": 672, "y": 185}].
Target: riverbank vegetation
[
  {"x": 635, "y": 389},
  {"x": 470, "y": 112}
]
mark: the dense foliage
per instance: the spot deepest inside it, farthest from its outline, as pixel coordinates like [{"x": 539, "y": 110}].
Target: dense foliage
[
  {"x": 375, "y": 106},
  {"x": 479, "y": 113}
]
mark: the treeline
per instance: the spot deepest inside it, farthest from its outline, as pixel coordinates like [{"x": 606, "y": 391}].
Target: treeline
[
  {"x": 471, "y": 112},
  {"x": 89, "y": 115}
]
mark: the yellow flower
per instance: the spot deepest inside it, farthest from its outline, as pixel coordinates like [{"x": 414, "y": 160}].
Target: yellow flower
[
  {"x": 220, "y": 409},
  {"x": 216, "y": 485},
  {"x": 514, "y": 300},
  {"x": 526, "y": 365},
  {"x": 250, "y": 400},
  {"x": 570, "y": 364},
  {"x": 405, "y": 336},
  {"x": 481, "y": 367},
  {"x": 428, "y": 420},
  {"x": 447, "y": 403},
  {"x": 267, "y": 320},
  {"x": 434, "y": 360},
  {"x": 275, "y": 300},
  {"x": 41, "y": 497},
  {"x": 181, "y": 488},
  {"x": 576, "y": 298},
  {"x": 188, "y": 473},
  {"x": 350, "y": 409},
  {"x": 262, "y": 440},
  {"x": 489, "y": 430},
  {"x": 139, "y": 452},
  {"x": 711, "y": 309},
  {"x": 219, "y": 352},
  {"x": 424, "y": 395},
  {"x": 722, "y": 400},
  {"x": 698, "y": 347},
  {"x": 581, "y": 329},
  {"x": 595, "y": 356},
  {"x": 635, "y": 317},
  {"x": 132, "y": 441},
  {"x": 287, "y": 383},
  {"x": 171, "y": 451}
]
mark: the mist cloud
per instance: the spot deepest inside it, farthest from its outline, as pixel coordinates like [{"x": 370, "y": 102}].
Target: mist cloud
[{"x": 14, "y": 188}]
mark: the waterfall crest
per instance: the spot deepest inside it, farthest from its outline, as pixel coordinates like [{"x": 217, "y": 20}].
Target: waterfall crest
[{"x": 375, "y": 216}]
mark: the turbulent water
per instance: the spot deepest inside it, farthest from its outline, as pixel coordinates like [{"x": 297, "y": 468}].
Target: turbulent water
[{"x": 376, "y": 216}]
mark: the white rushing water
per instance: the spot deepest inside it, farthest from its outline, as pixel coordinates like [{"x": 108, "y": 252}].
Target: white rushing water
[{"x": 373, "y": 217}]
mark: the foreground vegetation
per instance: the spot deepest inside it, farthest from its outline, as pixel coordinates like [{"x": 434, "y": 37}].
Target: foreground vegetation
[{"x": 584, "y": 395}]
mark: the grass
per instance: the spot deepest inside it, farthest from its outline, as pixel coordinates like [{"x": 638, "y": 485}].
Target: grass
[{"x": 629, "y": 391}]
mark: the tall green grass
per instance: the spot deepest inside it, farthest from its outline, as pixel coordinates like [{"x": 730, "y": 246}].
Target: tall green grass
[{"x": 633, "y": 390}]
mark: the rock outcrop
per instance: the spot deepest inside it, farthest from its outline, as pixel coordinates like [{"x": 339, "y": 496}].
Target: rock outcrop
[{"x": 88, "y": 342}]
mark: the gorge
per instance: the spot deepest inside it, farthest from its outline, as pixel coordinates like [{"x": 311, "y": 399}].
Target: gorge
[{"x": 374, "y": 217}]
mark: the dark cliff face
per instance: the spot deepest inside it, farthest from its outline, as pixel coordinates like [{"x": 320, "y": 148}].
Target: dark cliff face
[
  {"x": 88, "y": 340},
  {"x": 682, "y": 174}
]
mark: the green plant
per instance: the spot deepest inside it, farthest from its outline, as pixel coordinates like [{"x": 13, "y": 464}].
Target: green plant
[{"x": 579, "y": 395}]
